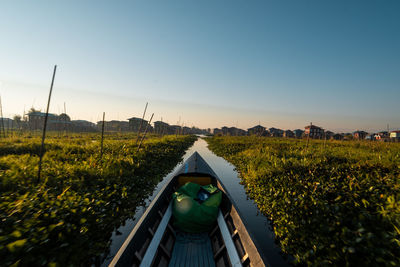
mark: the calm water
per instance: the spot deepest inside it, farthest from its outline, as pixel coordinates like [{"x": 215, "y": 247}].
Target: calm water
[{"x": 257, "y": 224}]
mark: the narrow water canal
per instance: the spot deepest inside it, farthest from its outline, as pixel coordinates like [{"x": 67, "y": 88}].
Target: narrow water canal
[{"x": 257, "y": 224}]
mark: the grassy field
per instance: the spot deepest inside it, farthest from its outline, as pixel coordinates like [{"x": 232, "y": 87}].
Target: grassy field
[
  {"x": 67, "y": 218},
  {"x": 334, "y": 203}
]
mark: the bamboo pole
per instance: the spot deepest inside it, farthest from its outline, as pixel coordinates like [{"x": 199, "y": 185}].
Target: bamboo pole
[
  {"x": 65, "y": 120},
  {"x": 308, "y": 136},
  {"x": 161, "y": 128},
  {"x": 102, "y": 136},
  {"x": 177, "y": 129},
  {"x": 141, "y": 123},
  {"x": 145, "y": 131},
  {"x": 2, "y": 119},
  {"x": 45, "y": 124}
]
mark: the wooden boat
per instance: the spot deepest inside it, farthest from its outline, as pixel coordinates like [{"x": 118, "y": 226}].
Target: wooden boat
[{"x": 155, "y": 242}]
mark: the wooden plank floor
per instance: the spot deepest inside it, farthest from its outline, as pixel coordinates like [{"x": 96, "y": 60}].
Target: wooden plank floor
[{"x": 192, "y": 250}]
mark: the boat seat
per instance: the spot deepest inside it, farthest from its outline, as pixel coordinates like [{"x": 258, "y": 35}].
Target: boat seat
[{"x": 201, "y": 180}]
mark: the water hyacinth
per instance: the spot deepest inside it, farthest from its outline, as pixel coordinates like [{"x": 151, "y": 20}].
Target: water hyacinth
[
  {"x": 330, "y": 204},
  {"x": 68, "y": 218}
]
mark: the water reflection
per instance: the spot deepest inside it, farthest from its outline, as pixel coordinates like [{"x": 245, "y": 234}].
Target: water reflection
[{"x": 257, "y": 224}]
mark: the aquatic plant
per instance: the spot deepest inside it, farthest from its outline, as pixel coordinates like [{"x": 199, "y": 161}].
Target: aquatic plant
[
  {"x": 68, "y": 218},
  {"x": 330, "y": 203}
]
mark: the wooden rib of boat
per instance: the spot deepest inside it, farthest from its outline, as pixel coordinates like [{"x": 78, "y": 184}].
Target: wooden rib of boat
[{"x": 155, "y": 242}]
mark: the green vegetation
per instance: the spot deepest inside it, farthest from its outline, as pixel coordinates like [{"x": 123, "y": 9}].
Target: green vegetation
[
  {"x": 333, "y": 203},
  {"x": 68, "y": 217}
]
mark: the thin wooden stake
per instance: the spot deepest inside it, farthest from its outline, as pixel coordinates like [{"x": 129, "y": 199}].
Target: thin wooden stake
[
  {"x": 45, "y": 124},
  {"x": 161, "y": 128},
  {"x": 308, "y": 137},
  {"x": 65, "y": 119},
  {"x": 2, "y": 119},
  {"x": 141, "y": 123},
  {"x": 102, "y": 136},
  {"x": 145, "y": 131},
  {"x": 308, "y": 140}
]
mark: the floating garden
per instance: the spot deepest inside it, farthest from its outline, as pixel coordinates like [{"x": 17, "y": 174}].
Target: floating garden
[
  {"x": 68, "y": 216},
  {"x": 329, "y": 202}
]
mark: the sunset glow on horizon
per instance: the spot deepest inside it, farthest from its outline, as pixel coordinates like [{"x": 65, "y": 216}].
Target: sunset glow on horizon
[{"x": 206, "y": 64}]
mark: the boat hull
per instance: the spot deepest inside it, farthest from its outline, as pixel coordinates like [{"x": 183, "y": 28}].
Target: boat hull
[{"x": 135, "y": 250}]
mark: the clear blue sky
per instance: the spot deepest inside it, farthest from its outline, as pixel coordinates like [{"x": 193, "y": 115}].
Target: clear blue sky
[{"x": 212, "y": 63}]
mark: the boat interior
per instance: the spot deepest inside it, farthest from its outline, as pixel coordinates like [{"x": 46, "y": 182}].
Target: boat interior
[
  {"x": 154, "y": 241},
  {"x": 163, "y": 245}
]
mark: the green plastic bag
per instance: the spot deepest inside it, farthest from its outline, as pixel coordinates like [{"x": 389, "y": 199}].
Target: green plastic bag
[{"x": 190, "y": 215}]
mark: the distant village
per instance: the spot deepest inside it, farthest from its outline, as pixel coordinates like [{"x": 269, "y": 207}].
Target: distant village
[
  {"x": 310, "y": 131},
  {"x": 34, "y": 120}
]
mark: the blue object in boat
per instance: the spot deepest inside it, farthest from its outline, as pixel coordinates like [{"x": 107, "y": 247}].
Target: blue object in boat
[{"x": 202, "y": 195}]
